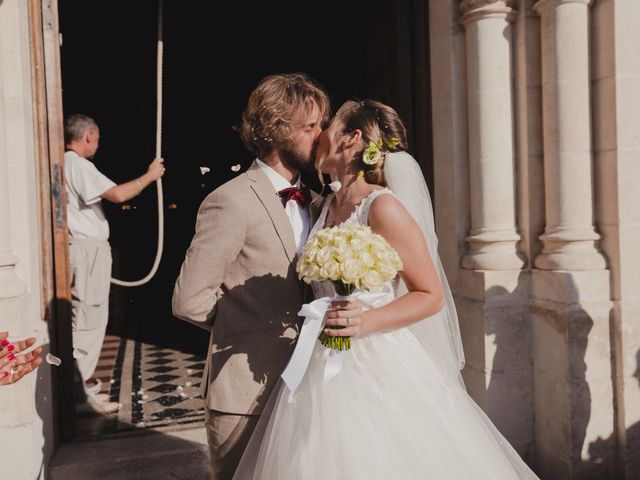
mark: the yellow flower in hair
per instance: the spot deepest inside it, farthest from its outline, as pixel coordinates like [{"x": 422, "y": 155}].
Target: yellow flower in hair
[{"x": 371, "y": 154}]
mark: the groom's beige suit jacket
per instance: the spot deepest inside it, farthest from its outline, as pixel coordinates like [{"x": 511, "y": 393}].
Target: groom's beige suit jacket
[{"x": 239, "y": 280}]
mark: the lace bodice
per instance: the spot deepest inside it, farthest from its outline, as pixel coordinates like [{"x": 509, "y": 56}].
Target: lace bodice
[{"x": 359, "y": 216}]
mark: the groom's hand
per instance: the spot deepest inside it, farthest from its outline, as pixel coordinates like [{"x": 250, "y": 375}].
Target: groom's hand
[{"x": 346, "y": 315}]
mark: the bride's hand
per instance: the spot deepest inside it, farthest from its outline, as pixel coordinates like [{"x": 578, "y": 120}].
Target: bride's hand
[{"x": 347, "y": 314}]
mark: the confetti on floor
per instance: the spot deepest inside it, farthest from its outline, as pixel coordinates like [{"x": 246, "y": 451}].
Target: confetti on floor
[{"x": 156, "y": 386}]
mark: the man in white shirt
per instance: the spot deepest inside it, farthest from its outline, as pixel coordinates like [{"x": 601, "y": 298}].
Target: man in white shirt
[{"x": 89, "y": 250}]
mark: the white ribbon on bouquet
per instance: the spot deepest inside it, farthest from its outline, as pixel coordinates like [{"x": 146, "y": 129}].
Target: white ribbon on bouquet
[{"x": 314, "y": 322}]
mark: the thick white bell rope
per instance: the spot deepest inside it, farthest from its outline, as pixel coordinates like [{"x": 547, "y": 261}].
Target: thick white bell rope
[{"x": 160, "y": 247}]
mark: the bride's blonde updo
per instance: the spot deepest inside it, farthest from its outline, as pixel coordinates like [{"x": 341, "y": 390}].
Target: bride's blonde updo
[{"x": 376, "y": 121}]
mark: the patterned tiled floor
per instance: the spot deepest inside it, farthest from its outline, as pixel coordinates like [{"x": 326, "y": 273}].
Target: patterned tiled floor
[{"x": 156, "y": 387}]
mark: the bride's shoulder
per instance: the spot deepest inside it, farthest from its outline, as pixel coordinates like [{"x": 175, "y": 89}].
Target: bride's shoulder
[{"x": 386, "y": 208}]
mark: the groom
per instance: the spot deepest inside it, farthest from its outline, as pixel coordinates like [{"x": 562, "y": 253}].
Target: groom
[{"x": 238, "y": 279}]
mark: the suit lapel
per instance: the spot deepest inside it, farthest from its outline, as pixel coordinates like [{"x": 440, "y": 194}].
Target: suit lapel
[{"x": 263, "y": 188}]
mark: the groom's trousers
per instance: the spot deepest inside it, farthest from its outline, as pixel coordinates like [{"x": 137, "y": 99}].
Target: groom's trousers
[{"x": 227, "y": 436}]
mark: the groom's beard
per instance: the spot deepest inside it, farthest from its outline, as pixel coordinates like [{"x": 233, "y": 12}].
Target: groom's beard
[{"x": 298, "y": 160}]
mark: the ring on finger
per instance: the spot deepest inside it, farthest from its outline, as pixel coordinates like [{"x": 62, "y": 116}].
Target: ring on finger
[{"x": 348, "y": 321}]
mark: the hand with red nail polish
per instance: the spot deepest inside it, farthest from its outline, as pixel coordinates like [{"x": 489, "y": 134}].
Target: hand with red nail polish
[{"x": 13, "y": 364}]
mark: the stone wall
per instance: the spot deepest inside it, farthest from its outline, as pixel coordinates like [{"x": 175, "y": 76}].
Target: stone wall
[
  {"x": 536, "y": 144},
  {"x": 26, "y": 418}
]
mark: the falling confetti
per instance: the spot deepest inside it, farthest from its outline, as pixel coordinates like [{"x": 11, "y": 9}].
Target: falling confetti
[
  {"x": 187, "y": 384},
  {"x": 180, "y": 388},
  {"x": 141, "y": 402},
  {"x": 204, "y": 170},
  {"x": 145, "y": 396},
  {"x": 113, "y": 380},
  {"x": 189, "y": 371},
  {"x": 183, "y": 395},
  {"x": 79, "y": 353},
  {"x": 53, "y": 360},
  {"x": 235, "y": 168}
]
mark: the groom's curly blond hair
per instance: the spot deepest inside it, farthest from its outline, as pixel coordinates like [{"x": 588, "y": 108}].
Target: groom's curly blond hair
[{"x": 268, "y": 120}]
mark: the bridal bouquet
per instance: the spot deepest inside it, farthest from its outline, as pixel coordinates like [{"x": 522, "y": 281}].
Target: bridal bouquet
[{"x": 350, "y": 257}]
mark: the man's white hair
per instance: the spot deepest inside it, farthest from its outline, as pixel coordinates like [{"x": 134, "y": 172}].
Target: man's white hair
[{"x": 76, "y": 125}]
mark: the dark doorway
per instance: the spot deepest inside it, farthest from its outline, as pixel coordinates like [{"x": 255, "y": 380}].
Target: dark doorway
[{"x": 359, "y": 49}]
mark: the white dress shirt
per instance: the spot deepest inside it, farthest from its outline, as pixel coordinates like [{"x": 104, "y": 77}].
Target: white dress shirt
[
  {"x": 85, "y": 186},
  {"x": 298, "y": 215}
]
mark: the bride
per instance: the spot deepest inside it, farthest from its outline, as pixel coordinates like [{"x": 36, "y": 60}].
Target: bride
[{"x": 396, "y": 407}]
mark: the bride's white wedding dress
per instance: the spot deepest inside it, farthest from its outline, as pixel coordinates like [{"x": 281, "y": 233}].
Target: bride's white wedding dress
[{"x": 389, "y": 414}]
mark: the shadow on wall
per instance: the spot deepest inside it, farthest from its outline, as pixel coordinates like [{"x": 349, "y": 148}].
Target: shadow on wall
[
  {"x": 509, "y": 395},
  {"x": 510, "y": 398},
  {"x": 599, "y": 449},
  {"x": 44, "y": 407}
]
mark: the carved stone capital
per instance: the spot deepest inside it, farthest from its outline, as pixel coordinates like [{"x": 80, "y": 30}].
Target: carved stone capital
[
  {"x": 477, "y": 9},
  {"x": 467, "y": 5},
  {"x": 541, "y": 5}
]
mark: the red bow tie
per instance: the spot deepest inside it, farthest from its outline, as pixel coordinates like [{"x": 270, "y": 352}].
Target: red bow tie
[{"x": 300, "y": 195}]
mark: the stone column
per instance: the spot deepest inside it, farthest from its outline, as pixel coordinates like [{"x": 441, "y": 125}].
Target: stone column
[
  {"x": 492, "y": 289},
  {"x": 493, "y": 237},
  {"x": 569, "y": 238},
  {"x": 615, "y": 75},
  {"x": 570, "y": 306},
  {"x": 23, "y": 421},
  {"x": 11, "y": 287}
]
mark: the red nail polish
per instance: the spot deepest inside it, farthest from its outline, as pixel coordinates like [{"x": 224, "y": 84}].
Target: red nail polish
[
  {"x": 5, "y": 343},
  {"x": 11, "y": 347},
  {"x": 12, "y": 357},
  {"x": 4, "y": 374}
]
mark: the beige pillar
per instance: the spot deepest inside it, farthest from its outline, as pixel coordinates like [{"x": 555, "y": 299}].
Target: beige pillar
[
  {"x": 491, "y": 289},
  {"x": 15, "y": 403},
  {"x": 11, "y": 287},
  {"x": 616, "y": 102},
  {"x": 571, "y": 305},
  {"x": 26, "y": 409},
  {"x": 493, "y": 237},
  {"x": 569, "y": 238}
]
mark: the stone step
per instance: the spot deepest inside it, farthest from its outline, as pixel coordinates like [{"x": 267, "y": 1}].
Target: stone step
[{"x": 152, "y": 454}]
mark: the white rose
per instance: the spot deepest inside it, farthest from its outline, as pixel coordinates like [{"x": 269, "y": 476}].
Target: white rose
[
  {"x": 323, "y": 255},
  {"x": 366, "y": 259},
  {"x": 372, "y": 280},
  {"x": 350, "y": 271},
  {"x": 330, "y": 271}
]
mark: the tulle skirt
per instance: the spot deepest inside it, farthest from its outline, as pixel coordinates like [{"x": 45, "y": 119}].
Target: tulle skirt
[{"x": 389, "y": 414}]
